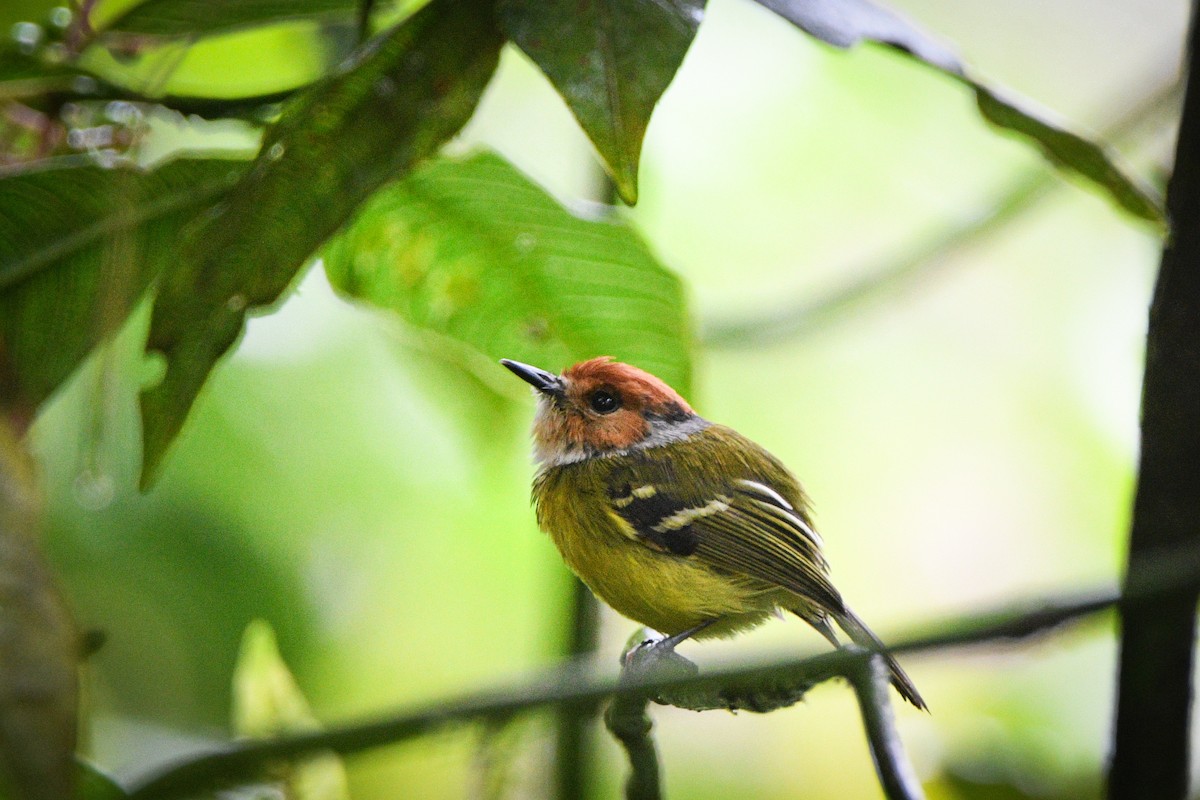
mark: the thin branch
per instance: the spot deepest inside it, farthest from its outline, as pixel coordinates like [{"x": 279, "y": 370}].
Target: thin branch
[
  {"x": 1152, "y": 738},
  {"x": 363, "y": 21},
  {"x": 871, "y": 681},
  {"x": 881, "y": 279},
  {"x": 575, "y": 682}
]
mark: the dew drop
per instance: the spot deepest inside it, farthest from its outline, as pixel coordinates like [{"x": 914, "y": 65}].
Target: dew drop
[
  {"x": 385, "y": 87},
  {"x": 525, "y": 242},
  {"x": 94, "y": 491},
  {"x": 275, "y": 152},
  {"x": 237, "y": 303},
  {"x": 152, "y": 370},
  {"x": 27, "y": 35},
  {"x": 85, "y": 85},
  {"x": 60, "y": 17}
]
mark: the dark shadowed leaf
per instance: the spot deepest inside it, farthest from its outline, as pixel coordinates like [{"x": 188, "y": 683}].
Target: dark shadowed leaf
[
  {"x": 1072, "y": 152},
  {"x": 78, "y": 247},
  {"x": 39, "y": 646},
  {"x": 611, "y": 60},
  {"x": 473, "y": 250},
  {"x": 334, "y": 145},
  {"x": 845, "y": 23},
  {"x": 207, "y": 17}
]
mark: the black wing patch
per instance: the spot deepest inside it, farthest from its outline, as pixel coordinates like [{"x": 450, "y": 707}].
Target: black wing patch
[
  {"x": 748, "y": 528},
  {"x": 655, "y": 516}
]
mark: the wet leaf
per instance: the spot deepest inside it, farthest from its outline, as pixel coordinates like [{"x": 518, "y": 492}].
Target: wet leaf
[
  {"x": 611, "y": 60},
  {"x": 474, "y": 251},
  {"x": 39, "y": 646},
  {"x": 267, "y": 702},
  {"x": 78, "y": 247},
  {"x": 845, "y": 23},
  {"x": 334, "y": 145}
]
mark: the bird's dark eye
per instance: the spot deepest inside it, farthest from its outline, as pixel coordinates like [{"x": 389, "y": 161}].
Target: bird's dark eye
[{"x": 603, "y": 401}]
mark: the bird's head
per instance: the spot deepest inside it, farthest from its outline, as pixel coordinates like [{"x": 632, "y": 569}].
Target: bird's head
[{"x": 603, "y": 407}]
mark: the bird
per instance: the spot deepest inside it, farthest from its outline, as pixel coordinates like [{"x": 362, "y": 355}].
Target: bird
[{"x": 676, "y": 522}]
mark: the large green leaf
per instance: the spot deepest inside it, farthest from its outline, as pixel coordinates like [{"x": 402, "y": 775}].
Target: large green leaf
[
  {"x": 334, "y": 145},
  {"x": 474, "y": 251},
  {"x": 78, "y": 247},
  {"x": 611, "y": 60},
  {"x": 845, "y": 23}
]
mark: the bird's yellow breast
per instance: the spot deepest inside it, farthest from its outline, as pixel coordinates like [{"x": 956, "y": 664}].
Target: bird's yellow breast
[{"x": 666, "y": 592}]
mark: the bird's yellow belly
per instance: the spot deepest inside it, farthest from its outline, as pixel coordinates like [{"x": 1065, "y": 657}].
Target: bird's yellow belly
[{"x": 668, "y": 593}]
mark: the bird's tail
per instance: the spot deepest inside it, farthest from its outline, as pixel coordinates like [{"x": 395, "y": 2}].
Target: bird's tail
[{"x": 863, "y": 636}]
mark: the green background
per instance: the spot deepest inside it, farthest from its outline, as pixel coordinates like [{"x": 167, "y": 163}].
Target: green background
[{"x": 968, "y": 436}]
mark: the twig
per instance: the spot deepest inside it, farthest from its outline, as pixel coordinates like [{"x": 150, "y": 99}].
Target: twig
[
  {"x": 363, "y": 21},
  {"x": 1152, "y": 739},
  {"x": 238, "y": 762},
  {"x": 811, "y": 316},
  {"x": 575, "y": 682},
  {"x": 871, "y": 679}
]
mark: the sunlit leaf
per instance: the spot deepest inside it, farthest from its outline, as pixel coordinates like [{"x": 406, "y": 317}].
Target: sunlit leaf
[
  {"x": 845, "y": 23},
  {"x": 39, "y": 646},
  {"x": 93, "y": 784},
  {"x": 206, "y": 17},
  {"x": 611, "y": 60},
  {"x": 335, "y": 144},
  {"x": 78, "y": 247},
  {"x": 474, "y": 251},
  {"x": 267, "y": 703}
]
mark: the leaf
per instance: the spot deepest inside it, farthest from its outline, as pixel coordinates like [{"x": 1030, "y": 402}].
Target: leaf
[
  {"x": 1072, "y": 152},
  {"x": 39, "y": 646},
  {"x": 845, "y": 23},
  {"x": 474, "y": 251},
  {"x": 206, "y": 17},
  {"x": 94, "y": 784},
  {"x": 267, "y": 703},
  {"x": 334, "y": 145},
  {"x": 611, "y": 60},
  {"x": 78, "y": 247}
]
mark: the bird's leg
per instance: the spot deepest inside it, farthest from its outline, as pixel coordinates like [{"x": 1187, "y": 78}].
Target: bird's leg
[
  {"x": 657, "y": 655},
  {"x": 670, "y": 642}
]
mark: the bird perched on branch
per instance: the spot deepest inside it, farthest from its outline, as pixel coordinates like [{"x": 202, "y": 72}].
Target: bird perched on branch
[{"x": 683, "y": 525}]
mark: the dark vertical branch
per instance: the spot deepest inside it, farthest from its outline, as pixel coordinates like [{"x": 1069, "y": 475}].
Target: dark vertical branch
[
  {"x": 1150, "y": 753},
  {"x": 872, "y": 679},
  {"x": 573, "y": 751}
]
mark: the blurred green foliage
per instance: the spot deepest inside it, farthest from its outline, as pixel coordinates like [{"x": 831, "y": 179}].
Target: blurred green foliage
[{"x": 359, "y": 478}]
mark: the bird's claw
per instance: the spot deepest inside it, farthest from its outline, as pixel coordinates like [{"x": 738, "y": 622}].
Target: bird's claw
[{"x": 654, "y": 657}]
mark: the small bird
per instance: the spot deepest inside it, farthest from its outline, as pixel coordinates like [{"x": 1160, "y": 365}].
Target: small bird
[{"x": 681, "y": 524}]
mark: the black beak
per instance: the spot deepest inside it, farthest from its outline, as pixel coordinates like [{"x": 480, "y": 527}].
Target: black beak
[{"x": 545, "y": 382}]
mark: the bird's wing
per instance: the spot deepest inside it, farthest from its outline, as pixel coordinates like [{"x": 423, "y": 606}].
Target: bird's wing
[{"x": 741, "y": 526}]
